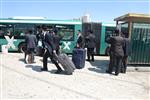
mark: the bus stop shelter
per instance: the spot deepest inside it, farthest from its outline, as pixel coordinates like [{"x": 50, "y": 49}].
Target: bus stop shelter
[{"x": 137, "y": 28}]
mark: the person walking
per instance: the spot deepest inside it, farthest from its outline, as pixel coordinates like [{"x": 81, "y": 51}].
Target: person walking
[
  {"x": 31, "y": 43},
  {"x": 49, "y": 50}
]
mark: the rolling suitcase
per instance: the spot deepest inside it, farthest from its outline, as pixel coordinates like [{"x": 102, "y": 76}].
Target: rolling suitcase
[
  {"x": 66, "y": 63},
  {"x": 78, "y": 58}
]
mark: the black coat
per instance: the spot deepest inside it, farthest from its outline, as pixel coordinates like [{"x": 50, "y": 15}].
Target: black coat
[
  {"x": 31, "y": 41},
  {"x": 117, "y": 44},
  {"x": 80, "y": 41},
  {"x": 49, "y": 42},
  {"x": 56, "y": 39},
  {"x": 91, "y": 41},
  {"x": 127, "y": 47}
]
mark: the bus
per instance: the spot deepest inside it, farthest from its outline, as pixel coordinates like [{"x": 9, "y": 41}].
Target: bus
[{"x": 12, "y": 30}]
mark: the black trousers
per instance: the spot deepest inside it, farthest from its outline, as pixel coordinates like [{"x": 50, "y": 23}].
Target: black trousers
[
  {"x": 90, "y": 53},
  {"x": 115, "y": 61},
  {"x": 124, "y": 64},
  {"x": 45, "y": 56},
  {"x": 111, "y": 63},
  {"x": 117, "y": 64}
]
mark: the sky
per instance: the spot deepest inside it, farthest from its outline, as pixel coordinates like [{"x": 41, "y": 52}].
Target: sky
[{"x": 99, "y": 10}]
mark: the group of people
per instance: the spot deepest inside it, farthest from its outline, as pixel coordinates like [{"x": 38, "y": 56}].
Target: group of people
[
  {"x": 120, "y": 49},
  {"x": 89, "y": 42},
  {"x": 50, "y": 43}
]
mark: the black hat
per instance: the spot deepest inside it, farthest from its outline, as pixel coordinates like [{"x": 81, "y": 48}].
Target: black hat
[
  {"x": 55, "y": 30},
  {"x": 44, "y": 27}
]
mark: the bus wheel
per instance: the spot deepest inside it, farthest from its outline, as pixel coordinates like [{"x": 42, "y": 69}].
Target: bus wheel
[
  {"x": 22, "y": 47},
  {"x": 107, "y": 51}
]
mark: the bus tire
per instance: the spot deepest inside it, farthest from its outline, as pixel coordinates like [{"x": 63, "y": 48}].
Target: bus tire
[
  {"x": 107, "y": 51},
  {"x": 22, "y": 47}
]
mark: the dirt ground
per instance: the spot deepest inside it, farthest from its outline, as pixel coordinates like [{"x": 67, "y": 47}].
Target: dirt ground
[{"x": 26, "y": 81}]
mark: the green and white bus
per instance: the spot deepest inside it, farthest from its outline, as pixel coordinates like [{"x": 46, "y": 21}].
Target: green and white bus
[
  {"x": 16, "y": 28},
  {"x": 12, "y": 30}
]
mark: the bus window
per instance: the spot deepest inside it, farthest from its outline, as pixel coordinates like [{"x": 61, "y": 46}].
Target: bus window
[
  {"x": 66, "y": 32},
  {"x": 1, "y": 32},
  {"x": 6, "y": 29},
  {"x": 109, "y": 32},
  {"x": 21, "y": 29}
]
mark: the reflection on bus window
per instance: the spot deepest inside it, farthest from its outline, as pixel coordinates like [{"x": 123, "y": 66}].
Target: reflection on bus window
[
  {"x": 68, "y": 36},
  {"x": 66, "y": 32},
  {"x": 1, "y": 32},
  {"x": 109, "y": 32},
  {"x": 6, "y": 29},
  {"x": 20, "y": 29},
  {"x": 9, "y": 32}
]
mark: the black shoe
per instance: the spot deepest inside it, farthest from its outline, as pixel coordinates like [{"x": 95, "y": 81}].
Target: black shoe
[
  {"x": 122, "y": 71},
  {"x": 44, "y": 69},
  {"x": 116, "y": 74},
  {"x": 87, "y": 60},
  {"x": 58, "y": 71},
  {"x": 107, "y": 71}
]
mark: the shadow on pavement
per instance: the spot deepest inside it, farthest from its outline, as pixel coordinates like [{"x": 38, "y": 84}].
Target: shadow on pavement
[
  {"x": 99, "y": 66},
  {"x": 38, "y": 69},
  {"x": 34, "y": 67},
  {"x": 53, "y": 72},
  {"x": 22, "y": 59}
]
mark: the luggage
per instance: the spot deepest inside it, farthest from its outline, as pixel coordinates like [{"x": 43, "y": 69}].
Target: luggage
[
  {"x": 66, "y": 63},
  {"x": 78, "y": 58}
]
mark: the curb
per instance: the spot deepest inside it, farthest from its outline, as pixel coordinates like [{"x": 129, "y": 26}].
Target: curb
[{"x": 138, "y": 69}]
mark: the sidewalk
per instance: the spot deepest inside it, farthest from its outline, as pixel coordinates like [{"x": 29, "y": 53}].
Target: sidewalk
[{"x": 26, "y": 81}]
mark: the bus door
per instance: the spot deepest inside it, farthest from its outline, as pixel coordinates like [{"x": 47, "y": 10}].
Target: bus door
[{"x": 96, "y": 28}]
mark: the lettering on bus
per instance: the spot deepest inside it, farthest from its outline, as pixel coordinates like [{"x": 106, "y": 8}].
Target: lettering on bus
[
  {"x": 10, "y": 42},
  {"x": 66, "y": 45}
]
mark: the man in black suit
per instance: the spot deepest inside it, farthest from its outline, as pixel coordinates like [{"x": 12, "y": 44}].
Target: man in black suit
[
  {"x": 91, "y": 41},
  {"x": 117, "y": 44},
  {"x": 31, "y": 43},
  {"x": 49, "y": 50},
  {"x": 57, "y": 39},
  {"x": 127, "y": 52},
  {"x": 80, "y": 40}
]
